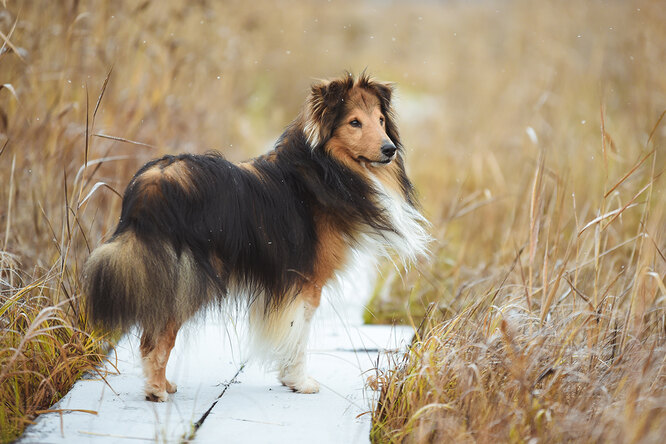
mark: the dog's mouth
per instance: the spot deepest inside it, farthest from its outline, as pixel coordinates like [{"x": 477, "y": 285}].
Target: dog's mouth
[{"x": 375, "y": 163}]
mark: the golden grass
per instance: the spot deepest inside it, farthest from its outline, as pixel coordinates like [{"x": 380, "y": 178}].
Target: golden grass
[
  {"x": 546, "y": 286},
  {"x": 523, "y": 122},
  {"x": 562, "y": 342}
]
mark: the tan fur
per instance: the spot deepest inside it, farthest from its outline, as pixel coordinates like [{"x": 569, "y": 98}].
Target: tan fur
[
  {"x": 151, "y": 175},
  {"x": 388, "y": 175},
  {"x": 339, "y": 150},
  {"x": 354, "y": 146},
  {"x": 217, "y": 263},
  {"x": 282, "y": 335},
  {"x": 155, "y": 351},
  {"x": 249, "y": 166},
  {"x": 331, "y": 257},
  {"x": 358, "y": 148},
  {"x": 150, "y": 183},
  {"x": 175, "y": 172}
]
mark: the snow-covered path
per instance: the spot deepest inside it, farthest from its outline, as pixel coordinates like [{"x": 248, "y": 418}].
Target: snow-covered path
[{"x": 221, "y": 399}]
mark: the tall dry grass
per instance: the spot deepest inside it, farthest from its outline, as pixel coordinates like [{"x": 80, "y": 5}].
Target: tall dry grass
[
  {"x": 545, "y": 292},
  {"x": 501, "y": 107},
  {"x": 564, "y": 341}
]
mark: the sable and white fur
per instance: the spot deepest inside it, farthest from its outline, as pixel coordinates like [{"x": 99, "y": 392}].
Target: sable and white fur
[{"x": 196, "y": 230}]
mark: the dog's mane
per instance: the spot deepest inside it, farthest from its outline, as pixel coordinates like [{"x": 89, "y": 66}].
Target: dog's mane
[{"x": 333, "y": 188}]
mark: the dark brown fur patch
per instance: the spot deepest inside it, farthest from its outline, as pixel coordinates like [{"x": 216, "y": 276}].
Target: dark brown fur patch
[{"x": 322, "y": 107}]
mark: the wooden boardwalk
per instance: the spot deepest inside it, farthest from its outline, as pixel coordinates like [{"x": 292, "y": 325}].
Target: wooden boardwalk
[{"x": 222, "y": 398}]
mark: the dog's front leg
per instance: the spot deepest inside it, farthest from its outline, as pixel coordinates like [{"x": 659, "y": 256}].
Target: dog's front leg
[{"x": 293, "y": 366}]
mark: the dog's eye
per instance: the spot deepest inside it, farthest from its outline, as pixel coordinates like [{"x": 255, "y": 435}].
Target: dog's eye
[
  {"x": 355, "y": 123},
  {"x": 381, "y": 121}
]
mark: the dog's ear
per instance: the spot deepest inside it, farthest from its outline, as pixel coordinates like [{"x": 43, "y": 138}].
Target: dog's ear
[
  {"x": 384, "y": 92},
  {"x": 322, "y": 107}
]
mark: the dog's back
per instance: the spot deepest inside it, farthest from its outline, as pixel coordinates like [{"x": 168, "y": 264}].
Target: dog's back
[{"x": 192, "y": 226}]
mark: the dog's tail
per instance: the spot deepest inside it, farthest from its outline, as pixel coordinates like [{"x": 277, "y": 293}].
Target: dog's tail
[{"x": 129, "y": 281}]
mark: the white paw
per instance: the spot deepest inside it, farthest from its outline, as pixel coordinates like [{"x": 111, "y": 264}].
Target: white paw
[{"x": 308, "y": 385}]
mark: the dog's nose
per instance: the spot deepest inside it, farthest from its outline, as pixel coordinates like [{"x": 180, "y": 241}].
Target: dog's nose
[{"x": 388, "y": 149}]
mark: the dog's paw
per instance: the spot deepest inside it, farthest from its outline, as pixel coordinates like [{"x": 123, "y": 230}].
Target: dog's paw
[
  {"x": 304, "y": 385},
  {"x": 171, "y": 387},
  {"x": 156, "y": 396},
  {"x": 308, "y": 385},
  {"x": 155, "y": 392}
]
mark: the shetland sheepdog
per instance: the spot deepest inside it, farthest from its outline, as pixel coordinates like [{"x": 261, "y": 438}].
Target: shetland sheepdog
[{"x": 196, "y": 230}]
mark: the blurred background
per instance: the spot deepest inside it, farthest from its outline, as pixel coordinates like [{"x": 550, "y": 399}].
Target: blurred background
[
  {"x": 522, "y": 120},
  {"x": 483, "y": 87}
]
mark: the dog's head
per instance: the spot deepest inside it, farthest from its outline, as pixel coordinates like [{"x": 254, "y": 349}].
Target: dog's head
[{"x": 353, "y": 121}]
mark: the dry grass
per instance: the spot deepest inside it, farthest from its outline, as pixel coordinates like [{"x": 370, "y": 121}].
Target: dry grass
[
  {"x": 562, "y": 342},
  {"x": 520, "y": 119},
  {"x": 546, "y": 286}
]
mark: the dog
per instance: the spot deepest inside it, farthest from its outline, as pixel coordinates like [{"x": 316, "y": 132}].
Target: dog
[{"x": 197, "y": 230}]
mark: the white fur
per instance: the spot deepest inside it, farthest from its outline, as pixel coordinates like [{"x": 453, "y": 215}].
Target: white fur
[
  {"x": 281, "y": 337},
  {"x": 278, "y": 334},
  {"x": 311, "y": 131},
  {"x": 411, "y": 239}
]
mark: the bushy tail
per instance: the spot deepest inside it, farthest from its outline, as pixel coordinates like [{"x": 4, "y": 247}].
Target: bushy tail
[{"x": 128, "y": 282}]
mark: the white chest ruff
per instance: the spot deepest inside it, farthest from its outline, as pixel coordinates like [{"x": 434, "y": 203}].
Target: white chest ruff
[{"x": 408, "y": 241}]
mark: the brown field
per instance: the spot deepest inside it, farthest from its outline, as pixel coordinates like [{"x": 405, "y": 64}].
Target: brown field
[{"x": 534, "y": 135}]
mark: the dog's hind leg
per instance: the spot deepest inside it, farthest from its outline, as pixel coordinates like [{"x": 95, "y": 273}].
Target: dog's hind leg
[
  {"x": 293, "y": 365},
  {"x": 155, "y": 351}
]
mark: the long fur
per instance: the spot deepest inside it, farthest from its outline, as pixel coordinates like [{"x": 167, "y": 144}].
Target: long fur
[{"x": 194, "y": 228}]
